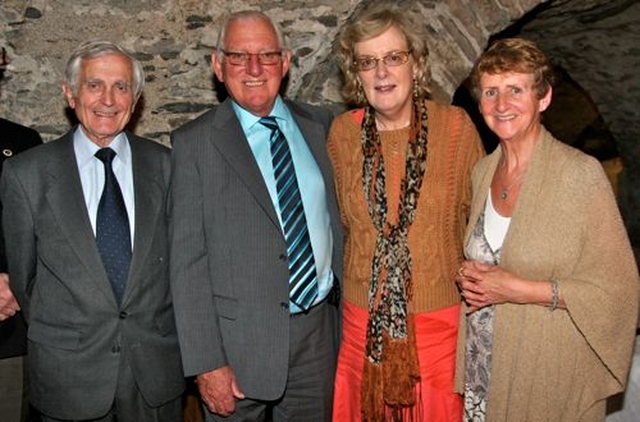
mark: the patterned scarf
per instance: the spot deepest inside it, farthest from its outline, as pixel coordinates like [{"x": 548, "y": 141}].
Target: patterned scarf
[{"x": 391, "y": 365}]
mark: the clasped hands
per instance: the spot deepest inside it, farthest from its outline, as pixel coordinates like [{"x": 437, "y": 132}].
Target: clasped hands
[
  {"x": 484, "y": 285},
  {"x": 8, "y": 304}
]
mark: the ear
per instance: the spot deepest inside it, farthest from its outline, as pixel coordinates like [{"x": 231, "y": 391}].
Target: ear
[
  {"x": 133, "y": 106},
  {"x": 216, "y": 66},
  {"x": 68, "y": 94},
  {"x": 286, "y": 63},
  {"x": 545, "y": 101}
]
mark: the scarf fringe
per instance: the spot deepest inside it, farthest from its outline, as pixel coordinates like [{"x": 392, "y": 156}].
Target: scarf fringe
[{"x": 389, "y": 389}]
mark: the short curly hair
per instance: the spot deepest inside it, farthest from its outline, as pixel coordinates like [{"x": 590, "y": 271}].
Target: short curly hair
[
  {"x": 517, "y": 55},
  {"x": 370, "y": 23}
]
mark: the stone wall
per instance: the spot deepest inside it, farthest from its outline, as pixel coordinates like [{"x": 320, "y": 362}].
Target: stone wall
[
  {"x": 174, "y": 39},
  {"x": 595, "y": 41}
]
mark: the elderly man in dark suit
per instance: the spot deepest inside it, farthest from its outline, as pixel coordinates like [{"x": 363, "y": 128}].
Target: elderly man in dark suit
[
  {"x": 85, "y": 228},
  {"x": 255, "y": 239}
]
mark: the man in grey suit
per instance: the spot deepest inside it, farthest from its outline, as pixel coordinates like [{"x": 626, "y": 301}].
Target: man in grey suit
[
  {"x": 102, "y": 339},
  {"x": 259, "y": 348}
]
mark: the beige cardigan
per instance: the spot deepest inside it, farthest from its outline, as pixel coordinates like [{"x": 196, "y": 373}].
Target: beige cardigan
[{"x": 560, "y": 365}]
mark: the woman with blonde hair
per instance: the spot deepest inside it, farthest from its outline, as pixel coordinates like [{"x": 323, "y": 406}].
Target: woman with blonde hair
[{"x": 402, "y": 166}]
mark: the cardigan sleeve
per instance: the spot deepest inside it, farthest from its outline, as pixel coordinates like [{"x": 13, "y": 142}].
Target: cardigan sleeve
[{"x": 601, "y": 294}]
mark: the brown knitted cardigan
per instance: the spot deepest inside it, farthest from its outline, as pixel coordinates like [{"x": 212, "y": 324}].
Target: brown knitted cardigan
[
  {"x": 560, "y": 365},
  {"x": 435, "y": 237}
]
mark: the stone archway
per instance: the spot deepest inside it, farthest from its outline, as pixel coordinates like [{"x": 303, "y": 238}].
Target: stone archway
[{"x": 594, "y": 41}]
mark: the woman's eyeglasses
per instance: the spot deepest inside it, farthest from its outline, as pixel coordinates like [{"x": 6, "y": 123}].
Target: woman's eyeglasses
[{"x": 394, "y": 58}]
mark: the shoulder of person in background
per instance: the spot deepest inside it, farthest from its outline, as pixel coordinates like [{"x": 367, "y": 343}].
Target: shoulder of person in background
[{"x": 16, "y": 138}]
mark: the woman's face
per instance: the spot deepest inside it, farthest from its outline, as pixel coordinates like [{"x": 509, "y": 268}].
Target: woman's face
[
  {"x": 388, "y": 89},
  {"x": 510, "y": 105}
]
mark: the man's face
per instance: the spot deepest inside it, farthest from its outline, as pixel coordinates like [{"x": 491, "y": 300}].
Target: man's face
[
  {"x": 254, "y": 85},
  {"x": 105, "y": 100}
]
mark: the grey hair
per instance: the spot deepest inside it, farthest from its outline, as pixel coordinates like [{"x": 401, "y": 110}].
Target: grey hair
[
  {"x": 248, "y": 15},
  {"x": 95, "y": 49}
]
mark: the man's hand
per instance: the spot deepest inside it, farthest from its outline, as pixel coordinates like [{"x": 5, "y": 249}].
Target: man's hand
[
  {"x": 219, "y": 390},
  {"x": 8, "y": 304}
]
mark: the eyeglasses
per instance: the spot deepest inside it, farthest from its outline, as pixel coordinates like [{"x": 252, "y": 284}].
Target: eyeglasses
[
  {"x": 241, "y": 58},
  {"x": 394, "y": 58}
]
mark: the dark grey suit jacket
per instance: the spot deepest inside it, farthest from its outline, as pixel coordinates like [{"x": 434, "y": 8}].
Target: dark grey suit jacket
[
  {"x": 228, "y": 256},
  {"x": 77, "y": 332},
  {"x": 14, "y": 139}
]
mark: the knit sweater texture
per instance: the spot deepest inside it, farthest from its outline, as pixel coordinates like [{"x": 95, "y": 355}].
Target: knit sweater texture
[
  {"x": 435, "y": 237},
  {"x": 560, "y": 365}
]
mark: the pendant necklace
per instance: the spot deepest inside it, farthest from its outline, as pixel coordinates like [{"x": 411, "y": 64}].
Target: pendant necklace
[{"x": 505, "y": 192}]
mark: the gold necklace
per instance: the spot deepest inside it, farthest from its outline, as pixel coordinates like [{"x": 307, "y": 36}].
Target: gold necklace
[{"x": 505, "y": 191}]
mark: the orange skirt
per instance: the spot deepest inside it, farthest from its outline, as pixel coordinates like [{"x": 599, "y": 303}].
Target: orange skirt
[{"x": 436, "y": 337}]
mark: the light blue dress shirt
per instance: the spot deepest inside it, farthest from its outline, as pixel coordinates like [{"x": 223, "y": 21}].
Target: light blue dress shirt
[
  {"x": 310, "y": 181},
  {"x": 91, "y": 171}
]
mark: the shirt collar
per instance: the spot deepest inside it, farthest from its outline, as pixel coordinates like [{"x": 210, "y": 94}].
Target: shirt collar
[
  {"x": 248, "y": 119},
  {"x": 85, "y": 148}
]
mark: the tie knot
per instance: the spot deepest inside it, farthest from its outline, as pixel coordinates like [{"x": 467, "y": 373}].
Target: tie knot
[
  {"x": 106, "y": 155},
  {"x": 269, "y": 122}
]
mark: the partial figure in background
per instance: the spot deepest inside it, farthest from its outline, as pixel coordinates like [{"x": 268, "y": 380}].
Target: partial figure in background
[
  {"x": 256, "y": 239},
  {"x": 625, "y": 407},
  {"x": 14, "y": 382},
  {"x": 85, "y": 226},
  {"x": 550, "y": 282},
  {"x": 402, "y": 166}
]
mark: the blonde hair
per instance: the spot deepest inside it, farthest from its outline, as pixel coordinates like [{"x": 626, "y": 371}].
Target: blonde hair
[{"x": 370, "y": 23}]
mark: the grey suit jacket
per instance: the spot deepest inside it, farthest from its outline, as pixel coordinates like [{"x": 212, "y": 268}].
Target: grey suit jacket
[
  {"x": 228, "y": 256},
  {"x": 77, "y": 332},
  {"x": 13, "y": 331}
]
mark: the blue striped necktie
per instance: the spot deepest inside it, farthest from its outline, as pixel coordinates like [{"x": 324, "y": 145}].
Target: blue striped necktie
[
  {"x": 303, "y": 285},
  {"x": 112, "y": 227}
]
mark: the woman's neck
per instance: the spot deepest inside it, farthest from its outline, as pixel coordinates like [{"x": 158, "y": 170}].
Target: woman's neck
[{"x": 399, "y": 120}]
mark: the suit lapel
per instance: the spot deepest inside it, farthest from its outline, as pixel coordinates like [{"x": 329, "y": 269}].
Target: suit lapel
[
  {"x": 66, "y": 199},
  {"x": 148, "y": 191},
  {"x": 229, "y": 139}
]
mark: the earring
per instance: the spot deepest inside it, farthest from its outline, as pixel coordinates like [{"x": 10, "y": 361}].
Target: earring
[
  {"x": 360, "y": 98},
  {"x": 416, "y": 88}
]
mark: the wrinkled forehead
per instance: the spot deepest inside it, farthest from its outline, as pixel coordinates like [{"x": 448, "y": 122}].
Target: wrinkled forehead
[
  {"x": 251, "y": 34},
  {"x": 111, "y": 65}
]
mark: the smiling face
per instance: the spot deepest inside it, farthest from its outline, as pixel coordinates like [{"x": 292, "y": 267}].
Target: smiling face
[
  {"x": 510, "y": 105},
  {"x": 388, "y": 89},
  {"x": 254, "y": 86},
  {"x": 105, "y": 100}
]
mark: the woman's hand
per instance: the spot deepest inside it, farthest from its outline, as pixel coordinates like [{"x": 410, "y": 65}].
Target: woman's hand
[{"x": 483, "y": 285}]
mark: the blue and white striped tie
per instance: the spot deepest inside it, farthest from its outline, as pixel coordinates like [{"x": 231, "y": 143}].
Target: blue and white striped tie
[{"x": 303, "y": 285}]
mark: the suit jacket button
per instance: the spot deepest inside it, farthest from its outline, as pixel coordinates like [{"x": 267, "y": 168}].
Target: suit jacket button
[
  {"x": 122, "y": 315},
  {"x": 283, "y": 257},
  {"x": 284, "y": 305},
  {"x": 115, "y": 349}
]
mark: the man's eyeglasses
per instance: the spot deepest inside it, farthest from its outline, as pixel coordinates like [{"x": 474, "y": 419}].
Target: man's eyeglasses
[
  {"x": 241, "y": 58},
  {"x": 394, "y": 58}
]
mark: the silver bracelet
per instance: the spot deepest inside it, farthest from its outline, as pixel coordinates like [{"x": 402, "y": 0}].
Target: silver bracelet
[{"x": 554, "y": 295}]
